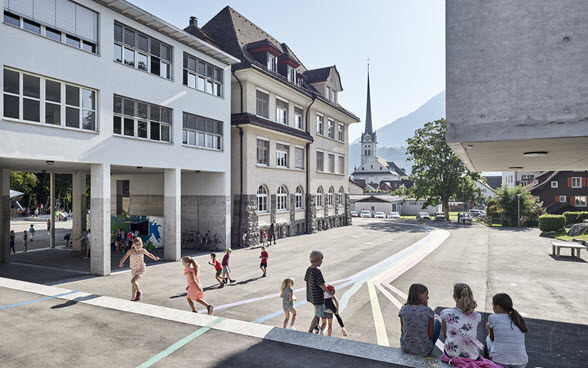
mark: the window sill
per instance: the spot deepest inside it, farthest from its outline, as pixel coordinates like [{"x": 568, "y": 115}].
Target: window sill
[
  {"x": 283, "y": 211},
  {"x": 261, "y": 166},
  {"x": 263, "y": 213},
  {"x": 13, "y": 120},
  {"x": 140, "y": 139},
  {"x": 201, "y": 148},
  {"x": 144, "y": 71},
  {"x": 329, "y": 173},
  {"x": 196, "y": 89},
  {"x": 299, "y": 209}
]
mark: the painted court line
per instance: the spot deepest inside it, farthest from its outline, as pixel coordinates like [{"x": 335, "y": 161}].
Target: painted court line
[
  {"x": 36, "y": 300},
  {"x": 156, "y": 358},
  {"x": 378, "y": 317}
]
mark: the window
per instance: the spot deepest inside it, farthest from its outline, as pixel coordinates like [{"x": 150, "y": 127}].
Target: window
[
  {"x": 330, "y": 197},
  {"x": 580, "y": 201},
  {"x": 282, "y": 155},
  {"x": 282, "y": 199},
  {"x": 562, "y": 198},
  {"x": 299, "y": 158},
  {"x": 272, "y": 62},
  {"x": 291, "y": 74},
  {"x": 298, "y": 198},
  {"x": 320, "y": 166},
  {"x": 340, "y": 196},
  {"x": 202, "y": 132},
  {"x": 202, "y": 76},
  {"x": 262, "y": 104},
  {"x": 341, "y": 165},
  {"x": 319, "y": 124},
  {"x": 141, "y": 51},
  {"x": 331, "y": 163},
  {"x": 261, "y": 199},
  {"x": 298, "y": 118},
  {"x": 48, "y": 101},
  {"x": 341, "y": 133},
  {"x": 281, "y": 112},
  {"x": 319, "y": 197},
  {"x": 554, "y": 184},
  {"x": 328, "y": 93},
  {"x": 331, "y": 129},
  {"x": 142, "y": 120},
  {"x": 262, "y": 152},
  {"x": 62, "y": 21},
  {"x": 576, "y": 182}
]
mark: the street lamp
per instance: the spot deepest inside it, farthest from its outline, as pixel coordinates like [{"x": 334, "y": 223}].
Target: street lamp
[{"x": 519, "y": 209}]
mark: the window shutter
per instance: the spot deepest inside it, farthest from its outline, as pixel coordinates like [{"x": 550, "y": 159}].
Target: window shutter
[
  {"x": 21, "y": 7},
  {"x": 557, "y": 198},
  {"x": 583, "y": 182},
  {"x": 142, "y": 110},
  {"x": 66, "y": 16},
  {"x": 569, "y": 182},
  {"x": 45, "y": 12},
  {"x": 129, "y": 37},
  {"x": 143, "y": 43},
  {"x": 118, "y": 104},
  {"x": 118, "y": 33},
  {"x": 86, "y": 23},
  {"x": 572, "y": 200}
]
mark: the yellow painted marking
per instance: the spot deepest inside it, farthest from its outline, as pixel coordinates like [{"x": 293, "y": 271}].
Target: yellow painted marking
[{"x": 378, "y": 317}]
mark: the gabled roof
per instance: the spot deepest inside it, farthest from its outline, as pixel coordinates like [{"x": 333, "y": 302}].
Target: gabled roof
[
  {"x": 318, "y": 75},
  {"x": 395, "y": 167},
  {"x": 198, "y": 32},
  {"x": 494, "y": 181},
  {"x": 486, "y": 185},
  {"x": 543, "y": 179}
]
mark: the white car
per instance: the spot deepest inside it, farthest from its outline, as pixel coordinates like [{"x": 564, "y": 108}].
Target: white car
[
  {"x": 365, "y": 213},
  {"x": 476, "y": 213},
  {"x": 380, "y": 215},
  {"x": 353, "y": 214},
  {"x": 393, "y": 215},
  {"x": 423, "y": 216}
]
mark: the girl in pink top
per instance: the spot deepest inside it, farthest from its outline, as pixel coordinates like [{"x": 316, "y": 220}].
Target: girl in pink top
[
  {"x": 194, "y": 288},
  {"x": 137, "y": 266}
]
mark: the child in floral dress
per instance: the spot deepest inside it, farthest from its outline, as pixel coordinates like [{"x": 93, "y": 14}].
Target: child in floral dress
[
  {"x": 460, "y": 325},
  {"x": 138, "y": 267}
]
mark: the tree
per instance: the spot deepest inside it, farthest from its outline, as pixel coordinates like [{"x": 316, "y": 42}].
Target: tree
[
  {"x": 505, "y": 206},
  {"x": 437, "y": 173},
  {"x": 25, "y": 182}
]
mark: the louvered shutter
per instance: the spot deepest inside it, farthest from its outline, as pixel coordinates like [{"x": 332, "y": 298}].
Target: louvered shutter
[
  {"x": 118, "y": 33},
  {"x": 572, "y": 200},
  {"x": 129, "y": 37},
  {"x": 45, "y": 12},
  {"x": 154, "y": 113},
  {"x": 583, "y": 182},
  {"x": 117, "y": 105},
  {"x": 66, "y": 16},
  {"x": 569, "y": 182},
  {"x": 21, "y": 7},
  {"x": 143, "y": 43},
  {"x": 142, "y": 110},
  {"x": 129, "y": 107},
  {"x": 557, "y": 198}
]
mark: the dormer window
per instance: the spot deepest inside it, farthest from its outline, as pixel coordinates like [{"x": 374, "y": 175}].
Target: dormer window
[
  {"x": 272, "y": 62},
  {"x": 291, "y": 74}
]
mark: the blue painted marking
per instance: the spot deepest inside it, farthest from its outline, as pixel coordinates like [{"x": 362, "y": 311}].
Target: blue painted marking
[
  {"x": 156, "y": 358},
  {"x": 36, "y": 300}
]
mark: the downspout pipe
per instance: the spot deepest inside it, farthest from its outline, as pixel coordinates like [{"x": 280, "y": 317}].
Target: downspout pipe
[
  {"x": 308, "y": 229},
  {"x": 240, "y": 220}
]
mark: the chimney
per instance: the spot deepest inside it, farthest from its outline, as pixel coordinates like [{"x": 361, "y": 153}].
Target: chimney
[{"x": 194, "y": 21}]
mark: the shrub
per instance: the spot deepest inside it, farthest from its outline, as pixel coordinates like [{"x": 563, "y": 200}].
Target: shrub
[
  {"x": 552, "y": 222},
  {"x": 575, "y": 217}
]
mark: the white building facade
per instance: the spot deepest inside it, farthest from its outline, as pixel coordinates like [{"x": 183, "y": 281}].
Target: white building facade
[{"x": 100, "y": 88}]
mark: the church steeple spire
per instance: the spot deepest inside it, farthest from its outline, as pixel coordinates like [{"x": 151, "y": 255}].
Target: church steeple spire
[
  {"x": 368, "y": 138},
  {"x": 368, "y": 112}
]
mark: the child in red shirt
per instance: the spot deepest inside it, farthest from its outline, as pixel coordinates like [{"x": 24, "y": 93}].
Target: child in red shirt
[
  {"x": 263, "y": 266},
  {"x": 218, "y": 268}
]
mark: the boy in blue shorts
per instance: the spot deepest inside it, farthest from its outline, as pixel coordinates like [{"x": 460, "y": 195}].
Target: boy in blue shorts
[{"x": 315, "y": 288}]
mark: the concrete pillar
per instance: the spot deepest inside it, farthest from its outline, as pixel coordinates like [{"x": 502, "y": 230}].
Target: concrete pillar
[
  {"x": 52, "y": 204},
  {"x": 172, "y": 211},
  {"x": 100, "y": 219},
  {"x": 78, "y": 208},
  {"x": 4, "y": 215}
]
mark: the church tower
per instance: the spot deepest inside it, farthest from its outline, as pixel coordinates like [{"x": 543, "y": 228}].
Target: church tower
[{"x": 368, "y": 138}]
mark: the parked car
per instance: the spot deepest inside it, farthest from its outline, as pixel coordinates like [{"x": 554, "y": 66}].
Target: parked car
[
  {"x": 380, "y": 215},
  {"x": 476, "y": 213},
  {"x": 353, "y": 214},
  {"x": 393, "y": 215},
  {"x": 365, "y": 213},
  {"x": 423, "y": 216},
  {"x": 440, "y": 216},
  {"x": 465, "y": 219}
]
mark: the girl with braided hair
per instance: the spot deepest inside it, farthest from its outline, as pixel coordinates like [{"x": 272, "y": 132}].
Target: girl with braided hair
[{"x": 506, "y": 334}]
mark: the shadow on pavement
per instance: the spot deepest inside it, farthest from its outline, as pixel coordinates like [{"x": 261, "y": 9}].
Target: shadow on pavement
[
  {"x": 567, "y": 259},
  {"x": 549, "y": 343},
  {"x": 75, "y": 301}
]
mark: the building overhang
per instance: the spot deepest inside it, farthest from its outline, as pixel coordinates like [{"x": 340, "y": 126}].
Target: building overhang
[
  {"x": 139, "y": 15},
  {"x": 250, "y": 119}
]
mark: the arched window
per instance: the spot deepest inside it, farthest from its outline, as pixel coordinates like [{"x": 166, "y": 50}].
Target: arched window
[
  {"x": 319, "y": 197},
  {"x": 340, "y": 196},
  {"x": 261, "y": 199},
  {"x": 282, "y": 199},
  {"x": 298, "y": 201},
  {"x": 330, "y": 196}
]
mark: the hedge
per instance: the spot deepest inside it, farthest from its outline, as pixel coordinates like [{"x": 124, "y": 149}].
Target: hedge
[
  {"x": 552, "y": 222},
  {"x": 575, "y": 217}
]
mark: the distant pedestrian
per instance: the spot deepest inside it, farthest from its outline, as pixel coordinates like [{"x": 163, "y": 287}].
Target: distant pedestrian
[
  {"x": 84, "y": 240},
  {"x": 67, "y": 238},
  {"x": 244, "y": 239},
  {"x": 505, "y": 343},
  {"x": 12, "y": 238},
  {"x": 332, "y": 304},
  {"x": 217, "y": 267},
  {"x": 315, "y": 288},
  {"x": 263, "y": 265},
  {"x": 272, "y": 234},
  {"x": 288, "y": 299},
  {"x": 418, "y": 328},
  {"x": 263, "y": 237},
  {"x": 88, "y": 244},
  {"x": 226, "y": 269},
  {"x": 48, "y": 226},
  {"x": 129, "y": 240},
  {"x": 24, "y": 241},
  {"x": 194, "y": 288},
  {"x": 138, "y": 266},
  {"x": 32, "y": 232},
  {"x": 119, "y": 240}
]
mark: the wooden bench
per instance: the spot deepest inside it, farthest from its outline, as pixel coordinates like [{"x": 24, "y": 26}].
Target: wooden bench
[{"x": 556, "y": 245}]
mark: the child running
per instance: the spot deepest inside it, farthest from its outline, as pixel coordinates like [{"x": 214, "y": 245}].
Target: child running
[
  {"x": 315, "y": 286},
  {"x": 263, "y": 265},
  {"x": 288, "y": 300},
  {"x": 138, "y": 267},
  {"x": 194, "y": 288},
  {"x": 506, "y": 334},
  {"x": 418, "y": 328},
  {"x": 332, "y": 305},
  {"x": 218, "y": 268},
  {"x": 460, "y": 325},
  {"x": 226, "y": 269}
]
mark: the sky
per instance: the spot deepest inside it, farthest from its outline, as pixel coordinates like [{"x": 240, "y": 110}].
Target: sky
[{"x": 404, "y": 40}]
